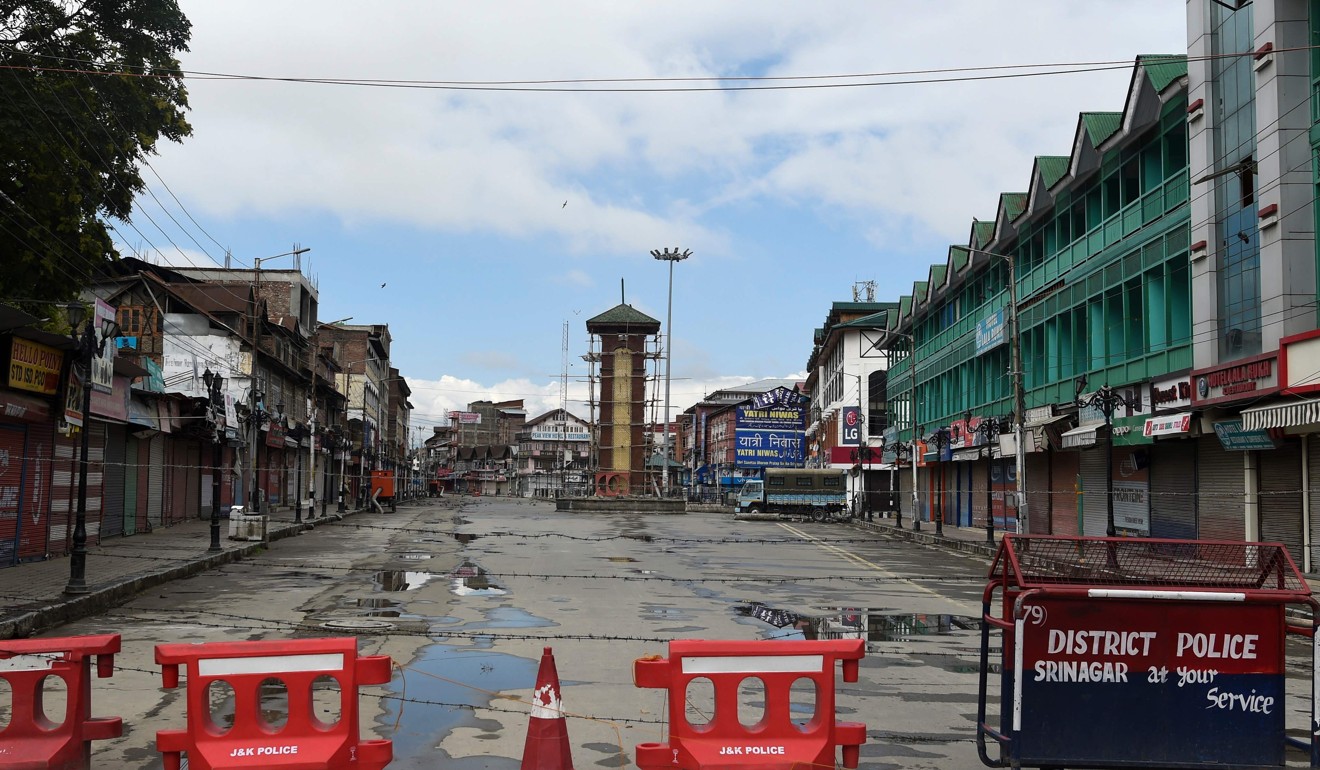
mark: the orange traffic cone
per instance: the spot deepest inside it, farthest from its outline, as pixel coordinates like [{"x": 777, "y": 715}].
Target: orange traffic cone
[{"x": 547, "y": 733}]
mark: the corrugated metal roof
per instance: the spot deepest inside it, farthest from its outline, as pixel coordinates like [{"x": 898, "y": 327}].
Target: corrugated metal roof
[
  {"x": 1101, "y": 125},
  {"x": 1052, "y": 167},
  {"x": 1013, "y": 204},
  {"x": 982, "y": 232},
  {"x": 959, "y": 257},
  {"x": 904, "y": 306},
  {"x": 623, "y": 314},
  {"x": 1163, "y": 69},
  {"x": 920, "y": 290},
  {"x": 937, "y": 273}
]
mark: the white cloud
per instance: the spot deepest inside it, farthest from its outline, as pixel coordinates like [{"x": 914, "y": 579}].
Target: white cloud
[{"x": 927, "y": 157}]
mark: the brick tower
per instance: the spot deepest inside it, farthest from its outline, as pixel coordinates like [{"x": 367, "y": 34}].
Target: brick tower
[{"x": 623, "y": 333}]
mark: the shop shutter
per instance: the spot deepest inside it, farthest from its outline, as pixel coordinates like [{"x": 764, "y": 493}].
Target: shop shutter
[
  {"x": 904, "y": 495},
  {"x": 131, "y": 469},
  {"x": 1313, "y": 474},
  {"x": 1095, "y": 490},
  {"x": 291, "y": 492},
  {"x": 193, "y": 474},
  {"x": 112, "y": 519},
  {"x": 156, "y": 481},
  {"x": 1064, "y": 467},
  {"x": 34, "y": 534},
  {"x": 1173, "y": 489},
  {"x": 1281, "y": 496},
  {"x": 980, "y": 482},
  {"x": 12, "y": 438},
  {"x": 1220, "y": 489},
  {"x": 1038, "y": 494},
  {"x": 95, "y": 481},
  {"x": 176, "y": 486},
  {"x": 64, "y": 483}
]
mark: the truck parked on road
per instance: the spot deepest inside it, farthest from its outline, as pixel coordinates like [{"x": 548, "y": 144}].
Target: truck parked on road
[{"x": 815, "y": 492}]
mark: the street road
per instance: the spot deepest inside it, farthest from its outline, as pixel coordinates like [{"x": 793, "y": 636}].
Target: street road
[{"x": 464, "y": 594}]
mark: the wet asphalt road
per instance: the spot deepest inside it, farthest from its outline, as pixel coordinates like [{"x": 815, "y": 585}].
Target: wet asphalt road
[{"x": 464, "y": 594}]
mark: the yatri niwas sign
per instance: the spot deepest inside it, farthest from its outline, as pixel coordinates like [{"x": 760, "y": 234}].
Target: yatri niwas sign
[{"x": 771, "y": 432}]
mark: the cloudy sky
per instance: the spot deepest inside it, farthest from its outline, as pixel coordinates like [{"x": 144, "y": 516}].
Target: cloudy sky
[{"x": 491, "y": 217}]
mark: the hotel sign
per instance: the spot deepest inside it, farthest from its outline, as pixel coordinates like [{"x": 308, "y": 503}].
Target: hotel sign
[
  {"x": 1245, "y": 379},
  {"x": 34, "y": 367}
]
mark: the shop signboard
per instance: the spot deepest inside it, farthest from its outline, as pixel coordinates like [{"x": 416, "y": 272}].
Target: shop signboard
[
  {"x": 1234, "y": 439},
  {"x": 851, "y": 426},
  {"x": 34, "y": 367},
  {"x": 465, "y": 418},
  {"x": 1248, "y": 378},
  {"x": 990, "y": 332}
]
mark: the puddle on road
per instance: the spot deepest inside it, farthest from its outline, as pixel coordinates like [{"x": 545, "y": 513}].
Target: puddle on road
[
  {"x": 874, "y": 624},
  {"x": 619, "y": 559},
  {"x": 444, "y": 674},
  {"x": 400, "y": 580},
  {"x": 471, "y": 580}
]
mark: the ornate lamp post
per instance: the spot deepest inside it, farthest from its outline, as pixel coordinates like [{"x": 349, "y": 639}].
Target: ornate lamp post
[
  {"x": 901, "y": 454},
  {"x": 1107, "y": 400},
  {"x": 988, "y": 430},
  {"x": 941, "y": 439},
  {"x": 215, "y": 385},
  {"x": 90, "y": 345}
]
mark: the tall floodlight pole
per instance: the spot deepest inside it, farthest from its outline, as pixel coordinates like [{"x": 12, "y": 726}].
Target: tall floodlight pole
[{"x": 671, "y": 257}]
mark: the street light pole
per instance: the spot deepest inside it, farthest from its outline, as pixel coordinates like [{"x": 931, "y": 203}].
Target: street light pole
[
  {"x": 987, "y": 429},
  {"x": 1107, "y": 400},
  {"x": 215, "y": 385},
  {"x": 89, "y": 347},
  {"x": 941, "y": 440},
  {"x": 671, "y": 257}
]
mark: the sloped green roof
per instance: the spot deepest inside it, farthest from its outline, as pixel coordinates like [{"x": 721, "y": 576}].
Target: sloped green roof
[
  {"x": 1163, "y": 69},
  {"x": 1052, "y": 167},
  {"x": 1013, "y": 204},
  {"x": 874, "y": 321},
  {"x": 982, "y": 232},
  {"x": 920, "y": 290},
  {"x": 958, "y": 257},
  {"x": 904, "y": 306},
  {"x": 937, "y": 273},
  {"x": 623, "y": 314},
  {"x": 1101, "y": 125}
]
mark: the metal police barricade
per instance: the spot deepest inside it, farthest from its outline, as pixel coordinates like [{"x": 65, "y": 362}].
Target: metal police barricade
[
  {"x": 776, "y": 741},
  {"x": 251, "y": 669},
  {"x": 36, "y": 738},
  {"x": 1141, "y": 652}
]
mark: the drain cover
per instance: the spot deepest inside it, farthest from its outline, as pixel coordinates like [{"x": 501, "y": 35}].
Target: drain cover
[{"x": 352, "y": 624}]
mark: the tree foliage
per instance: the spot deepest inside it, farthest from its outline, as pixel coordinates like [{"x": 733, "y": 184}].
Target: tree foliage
[{"x": 87, "y": 89}]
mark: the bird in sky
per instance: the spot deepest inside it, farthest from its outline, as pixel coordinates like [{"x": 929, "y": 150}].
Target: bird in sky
[
  {"x": 382, "y": 286},
  {"x": 565, "y": 205}
]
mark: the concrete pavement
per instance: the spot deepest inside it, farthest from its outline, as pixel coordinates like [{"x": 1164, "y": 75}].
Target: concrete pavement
[{"x": 32, "y": 597}]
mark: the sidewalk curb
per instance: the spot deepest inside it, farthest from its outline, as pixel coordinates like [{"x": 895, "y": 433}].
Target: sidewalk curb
[
  {"x": 930, "y": 539},
  {"x": 101, "y": 598}
]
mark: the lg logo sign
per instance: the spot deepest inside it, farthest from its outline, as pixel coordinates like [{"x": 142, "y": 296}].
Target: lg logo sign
[{"x": 852, "y": 425}]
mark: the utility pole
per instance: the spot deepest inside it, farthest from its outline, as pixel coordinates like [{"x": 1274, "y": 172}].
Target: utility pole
[
  {"x": 1019, "y": 402},
  {"x": 912, "y": 364}
]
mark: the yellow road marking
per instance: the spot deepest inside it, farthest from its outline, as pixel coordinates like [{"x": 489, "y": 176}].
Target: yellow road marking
[{"x": 867, "y": 563}]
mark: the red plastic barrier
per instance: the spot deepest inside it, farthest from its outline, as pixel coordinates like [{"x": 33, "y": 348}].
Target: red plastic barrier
[
  {"x": 773, "y": 742},
  {"x": 33, "y": 739},
  {"x": 304, "y": 741}
]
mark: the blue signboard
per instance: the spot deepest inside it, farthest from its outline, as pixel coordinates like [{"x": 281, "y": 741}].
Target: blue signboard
[
  {"x": 759, "y": 448},
  {"x": 770, "y": 437},
  {"x": 990, "y": 332}
]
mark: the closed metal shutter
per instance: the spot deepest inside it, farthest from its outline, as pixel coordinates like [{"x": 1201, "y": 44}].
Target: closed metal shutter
[
  {"x": 112, "y": 520},
  {"x": 1281, "y": 496},
  {"x": 192, "y": 473},
  {"x": 155, "y": 481},
  {"x": 34, "y": 531},
  {"x": 1064, "y": 514},
  {"x": 291, "y": 492},
  {"x": 64, "y": 480},
  {"x": 980, "y": 482},
  {"x": 12, "y": 438},
  {"x": 1173, "y": 489},
  {"x": 95, "y": 481},
  {"x": 1220, "y": 487},
  {"x": 176, "y": 484},
  {"x": 1038, "y": 495},
  {"x": 131, "y": 470},
  {"x": 904, "y": 495},
  {"x": 1313, "y": 475},
  {"x": 1095, "y": 490}
]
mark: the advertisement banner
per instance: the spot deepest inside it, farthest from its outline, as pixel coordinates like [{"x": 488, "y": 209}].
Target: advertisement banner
[
  {"x": 851, "y": 425},
  {"x": 73, "y": 400},
  {"x": 758, "y": 448},
  {"x": 465, "y": 418},
  {"x": 1131, "y": 492},
  {"x": 34, "y": 367},
  {"x": 990, "y": 332},
  {"x": 103, "y": 366}
]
